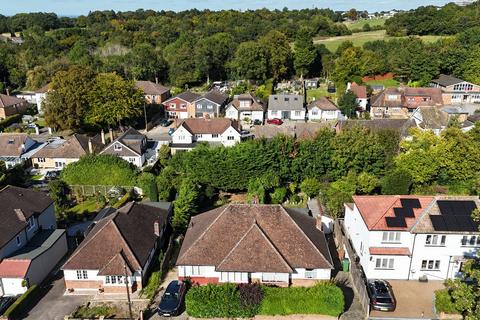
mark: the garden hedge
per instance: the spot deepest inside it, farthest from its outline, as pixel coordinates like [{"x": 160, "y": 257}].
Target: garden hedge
[
  {"x": 444, "y": 302},
  {"x": 21, "y": 304}
]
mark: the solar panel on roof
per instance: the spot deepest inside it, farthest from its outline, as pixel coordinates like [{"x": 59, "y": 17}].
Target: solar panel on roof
[
  {"x": 456, "y": 207},
  {"x": 465, "y": 223},
  {"x": 404, "y": 212},
  {"x": 450, "y": 222},
  {"x": 438, "y": 223},
  {"x": 396, "y": 222},
  {"x": 410, "y": 203}
]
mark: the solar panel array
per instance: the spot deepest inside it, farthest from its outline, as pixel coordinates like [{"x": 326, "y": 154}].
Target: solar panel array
[
  {"x": 455, "y": 215},
  {"x": 405, "y": 211}
]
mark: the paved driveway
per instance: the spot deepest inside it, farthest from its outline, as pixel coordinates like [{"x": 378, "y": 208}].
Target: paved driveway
[
  {"x": 53, "y": 305},
  {"x": 414, "y": 300}
]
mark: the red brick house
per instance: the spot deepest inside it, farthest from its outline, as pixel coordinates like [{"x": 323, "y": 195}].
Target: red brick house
[
  {"x": 10, "y": 106},
  {"x": 177, "y": 107},
  {"x": 154, "y": 93},
  {"x": 124, "y": 242}
]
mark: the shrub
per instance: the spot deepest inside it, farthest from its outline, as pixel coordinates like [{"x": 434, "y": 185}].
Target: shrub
[
  {"x": 311, "y": 187},
  {"x": 397, "y": 181},
  {"x": 216, "y": 301},
  {"x": 22, "y": 303},
  {"x": 444, "y": 302},
  {"x": 323, "y": 298},
  {"x": 123, "y": 200},
  {"x": 147, "y": 182},
  {"x": 278, "y": 195},
  {"x": 10, "y": 120},
  {"x": 93, "y": 312},
  {"x": 251, "y": 295},
  {"x": 100, "y": 170}
]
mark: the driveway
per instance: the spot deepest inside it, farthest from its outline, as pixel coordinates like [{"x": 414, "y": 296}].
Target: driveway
[
  {"x": 414, "y": 300},
  {"x": 53, "y": 305}
]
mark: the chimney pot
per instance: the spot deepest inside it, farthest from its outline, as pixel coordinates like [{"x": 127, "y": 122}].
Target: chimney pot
[
  {"x": 156, "y": 228},
  {"x": 111, "y": 135},
  {"x": 90, "y": 146},
  {"x": 102, "y": 134}
]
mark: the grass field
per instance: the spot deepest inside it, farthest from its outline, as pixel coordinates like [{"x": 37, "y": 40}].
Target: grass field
[
  {"x": 360, "y": 38},
  {"x": 319, "y": 92},
  {"x": 358, "y": 25},
  {"x": 387, "y": 83}
]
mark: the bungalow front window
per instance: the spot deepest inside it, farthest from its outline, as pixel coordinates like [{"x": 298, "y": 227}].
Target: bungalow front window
[
  {"x": 82, "y": 274},
  {"x": 41, "y": 159},
  {"x": 230, "y": 138},
  {"x": 209, "y": 107},
  {"x": 298, "y": 113},
  {"x": 195, "y": 270},
  {"x": 314, "y": 112},
  {"x": 274, "y": 277},
  {"x": 214, "y": 135},
  {"x": 114, "y": 279},
  {"x": 274, "y": 113},
  {"x": 310, "y": 274}
]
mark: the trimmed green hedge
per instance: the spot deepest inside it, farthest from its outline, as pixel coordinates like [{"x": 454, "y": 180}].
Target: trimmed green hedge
[
  {"x": 224, "y": 300},
  {"x": 324, "y": 298},
  {"x": 212, "y": 301},
  {"x": 444, "y": 302},
  {"x": 10, "y": 120},
  {"x": 105, "y": 170},
  {"x": 20, "y": 305}
]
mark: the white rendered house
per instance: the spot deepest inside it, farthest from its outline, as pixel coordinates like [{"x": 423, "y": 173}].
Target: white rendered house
[
  {"x": 412, "y": 237},
  {"x": 245, "y": 107},
  {"x": 286, "y": 107}
]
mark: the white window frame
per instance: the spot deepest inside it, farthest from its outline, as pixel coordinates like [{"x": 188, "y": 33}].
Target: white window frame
[
  {"x": 391, "y": 237},
  {"x": 30, "y": 223},
  {"x": 385, "y": 264},
  {"x": 310, "y": 274},
  {"x": 230, "y": 138},
  {"x": 430, "y": 265},
  {"x": 435, "y": 240},
  {"x": 117, "y": 147},
  {"x": 195, "y": 271}
]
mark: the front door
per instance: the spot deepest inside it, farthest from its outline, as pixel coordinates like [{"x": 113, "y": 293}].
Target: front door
[{"x": 285, "y": 114}]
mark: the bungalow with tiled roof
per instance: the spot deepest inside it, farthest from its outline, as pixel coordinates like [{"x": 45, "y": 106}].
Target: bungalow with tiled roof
[
  {"x": 361, "y": 93},
  {"x": 323, "y": 109},
  {"x": 245, "y": 107},
  {"x": 243, "y": 243},
  {"x": 122, "y": 243},
  {"x": 412, "y": 237}
]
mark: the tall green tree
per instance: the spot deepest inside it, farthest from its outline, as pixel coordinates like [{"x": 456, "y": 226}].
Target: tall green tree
[
  {"x": 212, "y": 54},
  {"x": 279, "y": 54},
  {"x": 250, "y": 61},
  {"x": 348, "y": 104},
  {"x": 304, "y": 53}
]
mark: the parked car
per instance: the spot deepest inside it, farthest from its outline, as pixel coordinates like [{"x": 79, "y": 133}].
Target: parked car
[
  {"x": 51, "y": 175},
  {"x": 244, "y": 132},
  {"x": 171, "y": 131},
  {"x": 381, "y": 295},
  {"x": 275, "y": 121},
  {"x": 5, "y": 303},
  {"x": 165, "y": 122},
  {"x": 173, "y": 299},
  {"x": 257, "y": 122}
]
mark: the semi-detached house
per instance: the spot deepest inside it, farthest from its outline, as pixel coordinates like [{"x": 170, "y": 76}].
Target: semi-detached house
[
  {"x": 243, "y": 243},
  {"x": 412, "y": 237}
]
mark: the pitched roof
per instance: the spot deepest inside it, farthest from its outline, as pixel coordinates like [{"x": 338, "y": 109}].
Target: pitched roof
[
  {"x": 215, "y": 96},
  {"x": 74, "y": 147},
  {"x": 375, "y": 209},
  {"x": 447, "y": 80},
  {"x": 127, "y": 234},
  {"x": 12, "y": 144},
  {"x": 359, "y": 91},
  {"x": 322, "y": 103},
  {"x": 44, "y": 89},
  {"x": 255, "y": 104},
  {"x": 254, "y": 238},
  {"x": 381, "y": 100},
  {"x": 132, "y": 139},
  {"x": 7, "y": 101},
  {"x": 187, "y": 96},
  {"x": 434, "y": 96},
  {"x": 208, "y": 126},
  {"x": 433, "y": 118},
  {"x": 18, "y": 205},
  {"x": 151, "y": 88},
  {"x": 14, "y": 268},
  {"x": 285, "y": 102}
]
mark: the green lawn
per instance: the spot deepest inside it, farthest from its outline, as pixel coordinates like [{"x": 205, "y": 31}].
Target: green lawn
[
  {"x": 87, "y": 206},
  {"x": 358, "y": 25},
  {"x": 360, "y": 38},
  {"x": 319, "y": 92},
  {"x": 388, "y": 83}
]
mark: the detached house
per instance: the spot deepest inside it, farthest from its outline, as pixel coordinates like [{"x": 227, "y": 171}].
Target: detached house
[
  {"x": 254, "y": 243},
  {"x": 210, "y": 105},
  {"x": 286, "y": 107},
  {"x": 30, "y": 244},
  {"x": 40, "y": 96},
  {"x": 61, "y": 152},
  {"x": 245, "y": 107},
  {"x": 219, "y": 131},
  {"x": 10, "y": 105},
  {"x": 412, "y": 237},
  {"x": 154, "y": 93},
  {"x": 124, "y": 242},
  {"x": 177, "y": 107},
  {"x": 130, "y": 146},
  {"x": 323, "y": 109},
  {"x": 361, "y": 93},
  {"x": 17, "y": 148},
  {"x": 456, "y": 91}
]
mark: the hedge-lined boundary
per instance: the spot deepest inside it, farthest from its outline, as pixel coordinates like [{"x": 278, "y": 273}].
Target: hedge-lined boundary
[{"x": 18, "y": 307}]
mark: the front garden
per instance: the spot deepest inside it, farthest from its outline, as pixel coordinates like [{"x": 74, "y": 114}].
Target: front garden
[{"x": 247, "y": 300}]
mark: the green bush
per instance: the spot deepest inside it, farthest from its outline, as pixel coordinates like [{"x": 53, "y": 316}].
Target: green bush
[
  {"x": 324, "y": 298},
  {"x": 216, "y": 301},
  {"x": 106, "y": 170},
  {"x": 10, "y": 120},
  {"x": 444, "y": 302},
  {"x": 85, "y": 312},
  {"x": 147, "y": 182},
  {"x": 22, "y": 303},
  {"x": 122, "y": 200}
]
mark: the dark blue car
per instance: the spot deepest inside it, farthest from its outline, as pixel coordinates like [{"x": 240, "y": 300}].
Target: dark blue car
[{"x": 172, "y": 299}]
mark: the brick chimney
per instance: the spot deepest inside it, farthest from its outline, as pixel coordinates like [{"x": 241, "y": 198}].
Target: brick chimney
[
  {"x": 20, "y": 215},
  {"x": 156, "y": 229},
  {"x": 102, "y": 134},
  {"x": 111, "y": 135},
  {"x": 90, "y": 146},
  {"x": 318, "y": 222}
]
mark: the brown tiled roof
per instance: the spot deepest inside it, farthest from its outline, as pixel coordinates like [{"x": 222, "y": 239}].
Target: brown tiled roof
[
  {"x": 434, "y": 96},
  {"x": 129, "y": 232},
  {"x": 10, "y": 268},
  {"x": 256, "y": 104},
  {"x": 374, "y": 210},
  {"x": 379, "y": 251},
  {"x": 132, "y": 139},
  {"x": 215, "y": 96},
  {"x": 208, "y": 126},
  {"x": 116, "y": 263},
  {"x": 187, "y": 96},
  {"x": 74, "y": 147},
  {"x": 380, "y": 100},
  {"x": 151, "y": 88},
  {"x": 400, "y": 125},
  {"x": 359, "y": 91},
  {"x": 44, "y": 89},
  {"x": 17, "y": 205},
  {"x": 11, "y": 144},
  {"x": 253, "y": 238},
  {"x": 433, "y": 118},
  {"x": 7, "y": 101},
  {"x": 323, "y": 104}
]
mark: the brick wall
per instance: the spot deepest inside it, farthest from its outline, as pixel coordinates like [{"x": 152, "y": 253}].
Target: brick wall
[
  {"x": 200, "y": 280},
  {"x": 303, "y": 282},
  {"x": 96, "y": 285}
]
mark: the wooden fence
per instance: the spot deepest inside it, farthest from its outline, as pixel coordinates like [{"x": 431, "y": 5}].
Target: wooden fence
[
  {"x": 356, "y": 273},
  {"x": 91, "y": 190}
]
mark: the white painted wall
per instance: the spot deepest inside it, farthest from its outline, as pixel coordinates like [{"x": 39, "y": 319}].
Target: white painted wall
[
  {"x": 182, "y": 135},
  {"x": 12, "y": 286},
  {"x": 40, "y": 97},
  {"x": 232, "y": 113},
  {"x": 324, "y": 115},
  {"x": 277, "y": 114},
  {"x": 230, "y": 132}
]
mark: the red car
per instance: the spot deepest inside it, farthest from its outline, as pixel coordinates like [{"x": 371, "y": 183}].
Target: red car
[{"x": 275, "y": 121}]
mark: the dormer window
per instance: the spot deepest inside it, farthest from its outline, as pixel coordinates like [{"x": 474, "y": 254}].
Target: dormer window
[
  {"x": 287, "y": 99},
  {"x": 117, "y": 147},
  {"x": 11, "y": 141},
  {"x": 30, "y": 223},
  {"x": 275, "y": 98},
  {"x": 392, "y": 97}
]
